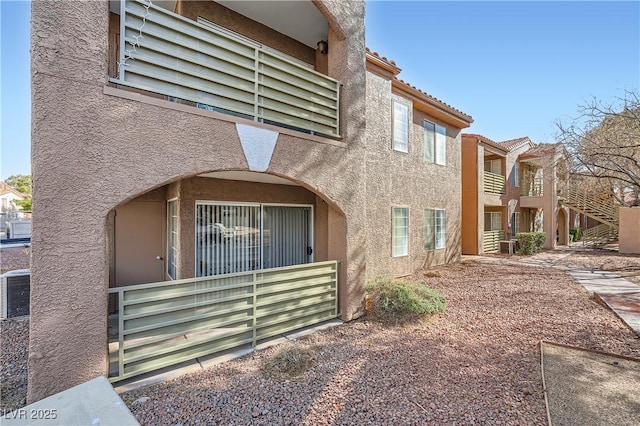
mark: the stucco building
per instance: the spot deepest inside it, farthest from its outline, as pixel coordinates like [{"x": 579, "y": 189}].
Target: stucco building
[
  {"x": 510, "y": 187},
  {"x": 202, "y": 139}
]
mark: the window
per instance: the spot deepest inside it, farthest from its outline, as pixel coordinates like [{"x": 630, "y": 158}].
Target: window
[
  {"x": 172, "y": 237},
  {"x": 493, "y": 221},
  {"x": 435, "y": 143},
  {"x": 515, "y": 224},
  {"x": 400, "y": 127},
  {"x": 435, "y": 229},
  {"x": 493, "y": 166},
  {"x": 515, "y": 177},
  {"x": 400, "y": 232}
]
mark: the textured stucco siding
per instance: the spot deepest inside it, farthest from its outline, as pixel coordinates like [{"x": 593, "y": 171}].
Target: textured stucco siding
[
  {"x": 397, "y": 179},
  {"x": 96, "y": 151}
]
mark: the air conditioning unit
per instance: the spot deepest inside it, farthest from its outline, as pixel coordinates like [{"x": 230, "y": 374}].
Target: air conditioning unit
[{"x": 15, "y": 292}]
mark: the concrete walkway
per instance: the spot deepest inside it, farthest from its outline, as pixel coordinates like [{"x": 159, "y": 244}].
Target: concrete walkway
[{"x": 620, "y": 295}]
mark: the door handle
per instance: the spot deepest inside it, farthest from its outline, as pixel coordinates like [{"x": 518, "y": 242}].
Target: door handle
[{"x": 158, "y": 257}]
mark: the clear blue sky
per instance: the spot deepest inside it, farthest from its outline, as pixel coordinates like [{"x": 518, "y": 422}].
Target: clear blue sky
[{"x": 516, "y": 67}]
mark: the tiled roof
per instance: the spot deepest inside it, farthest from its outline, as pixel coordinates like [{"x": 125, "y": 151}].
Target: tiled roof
[
  {"x": 513, "y": 143},
  {"x": 382, "y": 58},
  {"x": 541, "y": 150},
  {"x": 6, "y": 189},
  {"x": 433, "y": 98},
  {"x": 391, "y": 66},
  {"x": 486, "y": 140}
]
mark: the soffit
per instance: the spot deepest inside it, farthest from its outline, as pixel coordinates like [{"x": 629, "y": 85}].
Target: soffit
[
  {"x": 249, "y": 177},
  {"x": 300, "y": 20}
]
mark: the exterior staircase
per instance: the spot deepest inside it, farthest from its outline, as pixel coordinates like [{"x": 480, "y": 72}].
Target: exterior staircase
[{"x": 604, "y": 211}]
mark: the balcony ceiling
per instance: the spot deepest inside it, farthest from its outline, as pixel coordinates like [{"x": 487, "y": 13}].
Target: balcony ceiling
[{"x": 300, "y": 20}]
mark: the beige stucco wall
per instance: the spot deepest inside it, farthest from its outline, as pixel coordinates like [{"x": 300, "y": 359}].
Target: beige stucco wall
[
  {"x": 629, "y": 232},
  {"x": 397, "y": 179},
  {"x": 105, "y": 150}
]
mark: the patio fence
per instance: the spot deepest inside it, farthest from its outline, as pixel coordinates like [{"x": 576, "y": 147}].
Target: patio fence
[{"x": 166, "y": 323}]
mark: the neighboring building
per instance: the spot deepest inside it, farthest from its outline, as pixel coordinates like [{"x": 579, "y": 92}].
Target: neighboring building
[
  {"x": 9, "y": 210},
  {"x": 8, "y": 198},
  {"x": 228, "y": 141},
  {"x": 510, "y": 187}
]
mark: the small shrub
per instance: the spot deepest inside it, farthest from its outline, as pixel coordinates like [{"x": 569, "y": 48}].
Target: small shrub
[
  {"x": 291, "y": 360},
  {"x": 402, "y": 301},
  {"x": 575, "y": 234},
  {"x": 530, "y": 242}
]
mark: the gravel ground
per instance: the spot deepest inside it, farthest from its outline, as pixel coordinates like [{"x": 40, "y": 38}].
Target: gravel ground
[
  {"x": 478, "y": 363},
  {"x": 14, "y": 258},
  {"x": 14, "y": 345}
]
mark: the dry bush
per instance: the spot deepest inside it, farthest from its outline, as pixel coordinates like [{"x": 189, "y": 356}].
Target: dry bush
[{"x": 291, "y": 360}]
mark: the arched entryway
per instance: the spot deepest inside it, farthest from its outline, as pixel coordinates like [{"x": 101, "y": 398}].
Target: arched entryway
[
  {"x": 221, "y": 259},
  {"x": 562, "y": 236}
]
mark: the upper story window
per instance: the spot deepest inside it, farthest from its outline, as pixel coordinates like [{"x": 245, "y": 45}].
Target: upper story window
[
  {"x": 400, "y": 232},
  {"x": 435, "y": 143},
  {"x": 400, "y": 127},
  {"x": 515, "y": 176},
  {"x": 493, "y": 166}
]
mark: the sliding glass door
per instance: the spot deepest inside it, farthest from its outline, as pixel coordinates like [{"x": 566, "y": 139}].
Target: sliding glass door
[{"x": 243, "y": 237}]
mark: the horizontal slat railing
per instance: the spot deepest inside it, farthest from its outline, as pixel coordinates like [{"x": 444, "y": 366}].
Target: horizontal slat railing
[
  {"x": 602, "y": 210},
  {"x": 162, "y": 324},
  {"x": 533, "y": 187},
  {"x": 491, "y": 240},
  {"x": 168, "y": 54},
  {"x": 494, "y": 183}
]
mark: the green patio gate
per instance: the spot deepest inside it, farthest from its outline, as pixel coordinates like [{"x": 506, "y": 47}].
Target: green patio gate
[{"x": 166, "y": 323}]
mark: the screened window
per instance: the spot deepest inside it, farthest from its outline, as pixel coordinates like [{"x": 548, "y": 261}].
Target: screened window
[
  {"x": 435, "y": 143},
  {"x": 493, "y": 221},
  {"x": 172, "y": 237},
  {"x": 400, "y": 127},
  {"x": 435, "y": 229},
  {"x": 400, "y": 231}
]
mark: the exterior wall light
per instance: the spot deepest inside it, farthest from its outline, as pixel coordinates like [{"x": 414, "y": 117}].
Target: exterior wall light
[{"x": 323, "y": 47}]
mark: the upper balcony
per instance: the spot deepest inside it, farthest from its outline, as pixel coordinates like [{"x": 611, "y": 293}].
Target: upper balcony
[
  {"x": 190, "y": 60},
  {"x": 494, "y": 183}
]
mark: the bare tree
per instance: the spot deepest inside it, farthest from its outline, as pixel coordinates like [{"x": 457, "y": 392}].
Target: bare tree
[{"x": 604, "y": 142}]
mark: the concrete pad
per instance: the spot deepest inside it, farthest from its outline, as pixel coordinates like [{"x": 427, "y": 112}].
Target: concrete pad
[
  {"x": 158, "y": 376},
  {"x": 92, "y": 403}
]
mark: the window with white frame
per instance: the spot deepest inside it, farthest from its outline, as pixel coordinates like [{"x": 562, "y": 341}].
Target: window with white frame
[
  {"x": 435, "y": 229},
  {"x": 493, "y": 221},
  {"x": 516, "y": 174},
  {"x": 400, "y": 232},
  {"x": 172, "y": 238},
  {"x": 400, "y": 127},
  {"x": 435, "y": 143}
]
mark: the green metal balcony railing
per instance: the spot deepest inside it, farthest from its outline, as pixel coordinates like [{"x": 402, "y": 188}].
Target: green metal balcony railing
[
  {"x": 533, "y": 187},
  {"x": 166, "y": 323},
  {"x": 494, "y": 183},
  {"x": 165, "y": 53},
  {"x": 491, "y": 240}
]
